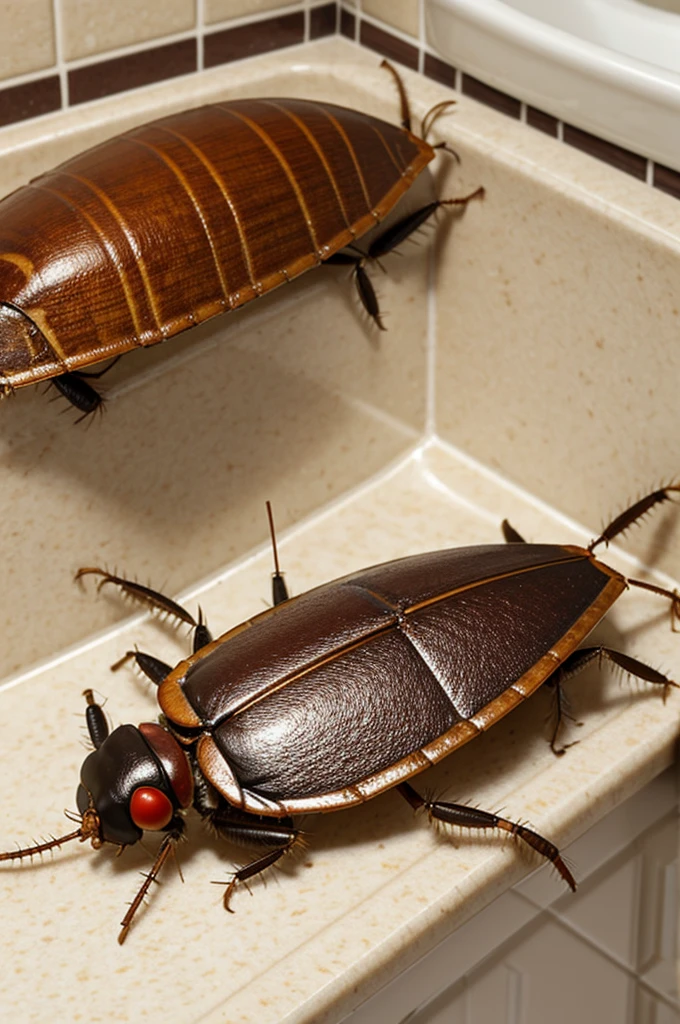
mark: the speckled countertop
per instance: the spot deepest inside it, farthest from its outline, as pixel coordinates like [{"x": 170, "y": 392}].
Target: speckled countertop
[{"x": 376, "y": 888}]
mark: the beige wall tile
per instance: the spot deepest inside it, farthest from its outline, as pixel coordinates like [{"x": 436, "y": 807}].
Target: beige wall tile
[
  {"x": 222, "y": 10},
  {"x": 30, "y": 27},
  {"x": 563, "y": 285},
  {"x": 401, "y": 14},
  {"x": 95, "y": 26}
]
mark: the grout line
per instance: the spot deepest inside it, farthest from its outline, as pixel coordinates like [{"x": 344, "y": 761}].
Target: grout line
[
  {"x": 62, "y": 67},
  {"x": 358, "y": 14},
  {"x": 128, "y": 51},
  {"x": 421, "y": 37},
  {"x": 240, "y": 562},
  {"x": 398, "y": 33},
  {"x": 200, "y": 35},
  {"x": 60, "y": 63},
  {"x": 431, "y": 346},
  {"x": 30, "y": 76},
  {"x": 254, "y": 19}
]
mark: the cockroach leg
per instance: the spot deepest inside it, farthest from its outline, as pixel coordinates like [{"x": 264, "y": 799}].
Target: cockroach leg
[{"x": 473, "y": 817}]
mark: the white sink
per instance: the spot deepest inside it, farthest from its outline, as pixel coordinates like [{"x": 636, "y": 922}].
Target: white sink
[{"x": 611, "y": 67}]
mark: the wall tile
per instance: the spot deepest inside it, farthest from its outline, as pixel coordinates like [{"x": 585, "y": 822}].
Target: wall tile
[
  {"x": 492, "y": 97},
  {"x": 390, "y": 46},
  {"x": 131, "y": 71},
  {"x": 323, "y": 21},
  {"x": 31, "y": 99},
  {"x": 667, "y": 180},
  {"x": 440, "y": 71},
  {"x": 544, "y": 122},
  {"x": 95, "y": 26},
  {"x": 401, "y": 14},
  {"x": 30, "y": 27},
  {"x": 256, "y": 37},
  {"x": 617, "y": 156},
  {"x": 536, "y": 265},
  {"x": 347, "y": 23},
  {"x": 223, "y": 10}
]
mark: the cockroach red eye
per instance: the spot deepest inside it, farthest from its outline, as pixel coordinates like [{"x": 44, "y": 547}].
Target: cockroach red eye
[{"x": 150, "y": 808}]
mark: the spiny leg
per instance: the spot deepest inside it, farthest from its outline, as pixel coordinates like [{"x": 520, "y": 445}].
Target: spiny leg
[
  {"x": 73, "y": 385},
  {"x": 555, "y": 682},
  {"x": 167, "y": 847},
  {"x": 386, "y": 243},
  {"x": 78, "y": 393},
  {"x": 626, "y": 519},
  {"x": 248, "y": 830},
  {"x": 393, "y": 237},
  {"x": 473, "y": 817},
  {"x": 619, "y": 525},
  {"x": 98, "y": 729},
  {"x": 364, "y": 286},
  {"x": 153, "y": 599},
  {"x": 152, "y": 667},
  {"x": 260, "y": 864},
  {"x": 634, "y": 514},
  {"x": 583, "y": 656}
]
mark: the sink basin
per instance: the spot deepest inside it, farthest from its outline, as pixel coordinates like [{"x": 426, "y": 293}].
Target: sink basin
[{"x": 611, "y": 67}]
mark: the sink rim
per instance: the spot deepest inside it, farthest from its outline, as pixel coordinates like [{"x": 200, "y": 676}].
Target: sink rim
[{"x": 623, "y": 99}]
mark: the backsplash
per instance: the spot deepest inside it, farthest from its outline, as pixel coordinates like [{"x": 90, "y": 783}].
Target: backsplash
[
  {"x": 83, "y": 50},
  {"x": 68, "y": 52}
]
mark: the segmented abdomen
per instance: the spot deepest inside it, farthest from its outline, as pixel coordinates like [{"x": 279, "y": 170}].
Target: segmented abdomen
[{"x": 187, "y": 217}]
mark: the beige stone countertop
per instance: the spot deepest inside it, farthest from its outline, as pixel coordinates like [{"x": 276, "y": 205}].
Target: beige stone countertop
[{"x": 375, "y": 888}]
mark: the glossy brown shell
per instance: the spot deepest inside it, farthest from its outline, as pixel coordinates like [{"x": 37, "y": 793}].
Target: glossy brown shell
[
  {"x": 341, "y": 693},
  {"x": 190, "y": 216}
]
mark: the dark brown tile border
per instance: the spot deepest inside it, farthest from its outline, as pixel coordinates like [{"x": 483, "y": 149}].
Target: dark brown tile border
[
  {"x": 132, "y": 71},
  {"x": 19, "y": 102},
  {"x": 668, "y": 180},
  {"x": 323, "y": 21},
  {"x": 610, "y": 153},
  {"x": 545, "y": 123},
  {"x": 477, "y": 90},
  {"x": 254, "y": 38},
  {"x": 388, "y": 45},
  {"x": 348, "y": 23},
  {"x": 439, "y": 71}
]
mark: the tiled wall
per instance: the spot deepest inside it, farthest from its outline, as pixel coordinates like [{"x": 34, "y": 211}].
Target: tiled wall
[
  {"x": 66, "y": 52},
  {"x": 395, "y": 28}
]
